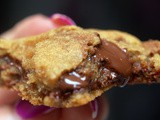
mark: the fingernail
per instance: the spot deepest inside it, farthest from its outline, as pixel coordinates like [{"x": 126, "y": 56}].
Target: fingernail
[
  {"x": 94, "y": 106},
  {"x": 61, "y": 20},
  {"x": 26, "y": 110}
]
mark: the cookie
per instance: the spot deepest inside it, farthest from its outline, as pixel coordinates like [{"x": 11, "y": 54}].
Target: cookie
[{"x": 70, "y": 66}]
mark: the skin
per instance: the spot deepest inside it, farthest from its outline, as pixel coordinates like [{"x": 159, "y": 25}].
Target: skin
[{"x": 8, "y": 98}]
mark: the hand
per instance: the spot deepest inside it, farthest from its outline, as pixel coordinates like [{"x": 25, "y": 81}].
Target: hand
[{"x": 8, "y": 99}]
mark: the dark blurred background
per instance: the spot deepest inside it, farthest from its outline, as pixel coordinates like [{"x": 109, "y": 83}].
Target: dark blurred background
[{"x": 139, "y": 17}]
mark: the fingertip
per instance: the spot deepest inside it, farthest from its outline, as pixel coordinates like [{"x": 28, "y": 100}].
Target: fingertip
[
  {"x": 103, "y": 110},
  {"x": 78, "y": 113},
  {"x": 7, "y": 96},
  {"x": 33, "y": 25},
  {"x": 97, "y": 110},
  {"x": 29, "y": 26},
  {"x": 37, "y": 24},
  {"x": 8, "y": 113}
]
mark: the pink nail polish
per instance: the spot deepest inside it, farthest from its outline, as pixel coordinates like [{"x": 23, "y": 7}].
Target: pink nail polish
[
  {"x": 26, "y": 110},
  {"x": 61, "y": 20}
]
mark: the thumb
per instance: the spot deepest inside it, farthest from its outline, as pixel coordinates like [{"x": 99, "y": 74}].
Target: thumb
[{"x": 29, "y": 26}]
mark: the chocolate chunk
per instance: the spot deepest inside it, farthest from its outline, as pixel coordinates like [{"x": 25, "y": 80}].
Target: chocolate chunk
[
  {"x": 115, "y": 56},
  {"x": 11, "y": 71},
  {"x": 73, "y": 80},
  {"x": 109, "y": 64}
]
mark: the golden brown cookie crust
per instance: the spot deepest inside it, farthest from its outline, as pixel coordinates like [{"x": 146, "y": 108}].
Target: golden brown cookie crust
[{"x": 46, "y": 57}]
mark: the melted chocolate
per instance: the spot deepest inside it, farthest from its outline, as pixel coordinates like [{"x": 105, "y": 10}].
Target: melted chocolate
[
  {"x": 111, "y": 64},
  {"x": 11, "y": 71},
  {"x": 73, "y": 80},
  {"x": 115, "y": 56}
]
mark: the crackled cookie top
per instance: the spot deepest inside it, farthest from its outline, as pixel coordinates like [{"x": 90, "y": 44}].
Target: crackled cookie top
[{"x": 48, "y": 55}]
